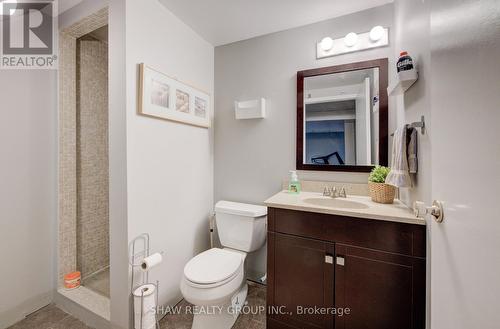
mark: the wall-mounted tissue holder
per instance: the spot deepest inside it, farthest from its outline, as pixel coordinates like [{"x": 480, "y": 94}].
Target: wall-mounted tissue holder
[
  {"x": 254, "y": 109},
  {"x": 404, "y": 80}
]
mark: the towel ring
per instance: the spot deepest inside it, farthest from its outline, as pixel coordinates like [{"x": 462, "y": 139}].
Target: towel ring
[{"x": 418, "y": 124}]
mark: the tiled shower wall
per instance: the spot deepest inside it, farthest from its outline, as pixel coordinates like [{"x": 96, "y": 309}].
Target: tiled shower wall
[
  {"x": 67, "y": 156},
  {"x": 92, "y": 223},
  {"x": 68, "y": 139}
]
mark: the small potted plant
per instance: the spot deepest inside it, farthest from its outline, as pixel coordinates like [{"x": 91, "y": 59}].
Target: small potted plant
[{"x": 380, "y": 191}]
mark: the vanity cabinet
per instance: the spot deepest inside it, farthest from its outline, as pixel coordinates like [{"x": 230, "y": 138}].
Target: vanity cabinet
[
  {"x": 318, "y": 263},
  {"x": 301, "y": 278}
]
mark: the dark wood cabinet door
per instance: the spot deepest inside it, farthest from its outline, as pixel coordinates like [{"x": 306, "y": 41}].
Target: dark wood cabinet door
[
  {"x": 382, "y": 290},
  {"x": 300, "y": 278}
]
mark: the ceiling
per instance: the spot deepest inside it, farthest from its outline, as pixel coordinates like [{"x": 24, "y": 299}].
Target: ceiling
[
  {"x": 344, "y": 106},
  {"x": 224, "y": 21},
  {"x": 337, "y": 79},
  {"x": 64, "y": 5}
]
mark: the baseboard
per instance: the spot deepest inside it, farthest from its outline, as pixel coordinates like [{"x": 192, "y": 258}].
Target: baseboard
[{"x": 18, "y": 313}]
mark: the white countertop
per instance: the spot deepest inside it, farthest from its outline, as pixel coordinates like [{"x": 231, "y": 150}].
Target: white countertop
[{"x": 396, "y": 212}]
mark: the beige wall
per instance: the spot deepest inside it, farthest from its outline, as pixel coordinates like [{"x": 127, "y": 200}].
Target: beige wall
[{"x": 92, "y": 232}]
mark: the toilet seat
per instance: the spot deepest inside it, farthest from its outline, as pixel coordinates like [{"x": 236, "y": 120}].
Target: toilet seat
[{"x": 213, "y": 268}]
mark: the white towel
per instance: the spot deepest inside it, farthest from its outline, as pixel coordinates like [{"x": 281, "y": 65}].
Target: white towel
[
  {"x": 412, "y": 152},
  {"x": 399, "y": 175}
]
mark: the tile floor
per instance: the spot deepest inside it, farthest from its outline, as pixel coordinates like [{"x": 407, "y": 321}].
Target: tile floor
[
  {"x": 98, "y": 282},
  {"x": 51, "y": 317},
  {"x": 256, "y": 298}
]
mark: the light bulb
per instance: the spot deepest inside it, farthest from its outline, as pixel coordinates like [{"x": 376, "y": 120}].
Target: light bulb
[
  {"x": 376, "y": 33},
  {"x": 326, "y": 43},
  {"x": 351, "y": 39}
]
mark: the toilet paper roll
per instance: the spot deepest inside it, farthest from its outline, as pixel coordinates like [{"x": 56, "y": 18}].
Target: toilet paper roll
[
  {"x": 151, "y": 261},
  {"x": 148, "y": 322},
  {"x": 146, "y": 293}
]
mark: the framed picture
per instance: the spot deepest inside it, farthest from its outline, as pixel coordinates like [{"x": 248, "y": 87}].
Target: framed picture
[{"x": 163, "y": 97}]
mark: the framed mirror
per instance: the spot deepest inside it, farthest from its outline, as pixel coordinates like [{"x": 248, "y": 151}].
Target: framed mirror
[{"x": 342, "y": 117}]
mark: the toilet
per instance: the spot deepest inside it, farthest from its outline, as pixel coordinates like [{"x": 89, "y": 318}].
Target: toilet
[{"x": 214, "y": 281}]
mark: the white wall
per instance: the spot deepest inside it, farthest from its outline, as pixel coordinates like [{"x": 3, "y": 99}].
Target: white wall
[
  {"x": 169, "y": 164},
  {"x": 412, "y": 33},
  {"x": 28, "y": 203},
  {"x": 252, "y": 157},
  {"x": 28, "y": 200},
  {"x": 412, "y": 29},
  {"x": 118, "y": 223}
]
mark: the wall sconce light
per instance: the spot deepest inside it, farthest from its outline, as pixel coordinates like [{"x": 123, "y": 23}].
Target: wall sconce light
[
  {"x": 376, "y": 33},
  {"x": 351, "y": 39},
  {"x": 326, "y": 43},
  {"x": 378, "y": 36}
]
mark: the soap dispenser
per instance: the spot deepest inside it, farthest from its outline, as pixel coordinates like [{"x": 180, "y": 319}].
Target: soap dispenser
[{"x": 294, "y": 184}]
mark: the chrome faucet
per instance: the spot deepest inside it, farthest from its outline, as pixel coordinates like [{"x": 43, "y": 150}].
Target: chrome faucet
[
  {"x": 333, "y": 193},
  {"x": 343, "y": 193}
]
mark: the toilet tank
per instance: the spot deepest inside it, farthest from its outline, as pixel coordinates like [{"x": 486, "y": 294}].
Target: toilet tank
[{"x": 241, "y": 226}]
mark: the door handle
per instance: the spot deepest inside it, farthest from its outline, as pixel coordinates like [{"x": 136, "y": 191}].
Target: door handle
[{"x": 436, "y": 210}]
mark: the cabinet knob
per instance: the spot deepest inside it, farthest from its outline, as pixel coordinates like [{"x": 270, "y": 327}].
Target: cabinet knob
[
  {"x": 340, "y": 261},
  {"x": 329, "y": 259}
]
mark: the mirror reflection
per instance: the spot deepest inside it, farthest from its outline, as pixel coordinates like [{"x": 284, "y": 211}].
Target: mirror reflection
[{"x": 341, "y": 118}]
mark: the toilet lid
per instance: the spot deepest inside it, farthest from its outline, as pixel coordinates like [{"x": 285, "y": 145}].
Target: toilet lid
[{"x": 212, "y": 266}]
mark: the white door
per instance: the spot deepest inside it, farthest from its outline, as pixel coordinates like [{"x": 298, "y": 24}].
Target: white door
[{"x": 465, "y": 142}]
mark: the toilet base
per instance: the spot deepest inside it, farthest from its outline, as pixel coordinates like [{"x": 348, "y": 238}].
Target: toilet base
[{"x": 222, "y": 316}]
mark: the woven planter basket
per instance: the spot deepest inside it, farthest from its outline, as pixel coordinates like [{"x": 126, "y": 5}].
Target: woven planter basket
[{"x": 381, "y": 192}]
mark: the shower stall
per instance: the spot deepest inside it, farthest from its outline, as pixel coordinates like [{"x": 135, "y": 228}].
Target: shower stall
[{"x": 84, "y": 163}]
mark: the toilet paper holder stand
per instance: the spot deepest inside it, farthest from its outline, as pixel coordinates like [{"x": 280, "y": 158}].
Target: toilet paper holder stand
[{"x": 135, "y": 261}]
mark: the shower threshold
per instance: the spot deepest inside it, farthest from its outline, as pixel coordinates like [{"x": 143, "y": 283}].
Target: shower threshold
[{"x": 89, "y": 299}]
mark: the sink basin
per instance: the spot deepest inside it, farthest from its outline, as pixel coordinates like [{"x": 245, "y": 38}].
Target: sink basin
[{"x": 336, "y": 203}]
